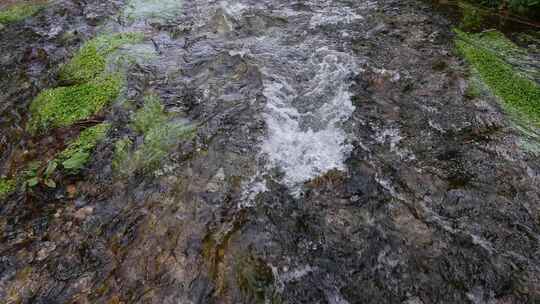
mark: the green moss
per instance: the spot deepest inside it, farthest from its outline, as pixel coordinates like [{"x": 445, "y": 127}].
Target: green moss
[
  {"x": 160, "y": 136},
  {"x": 78, "y": 152},
  {"x": 91, "y": 60},
  {"x": 7, "y": 186},
  {"x": 152, "y": 114},
  {"x": 65, "y": 105},
  {"x": 486, "y": 53},
  {"x": 19, "y": 12},
  {"x": 158, "y": 142}
]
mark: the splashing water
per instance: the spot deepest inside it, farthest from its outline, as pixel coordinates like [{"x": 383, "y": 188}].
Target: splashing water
[{"x": 308, "y": 142}]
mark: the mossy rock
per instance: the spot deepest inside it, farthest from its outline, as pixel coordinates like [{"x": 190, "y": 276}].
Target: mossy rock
[
  {"x": 488, "y": 54},
  {"x": 18, "y": 12},
  {"x": 78, "y": 152},
  {"x": 91, "y": 59},
  {"x": 65, "y": 105}
]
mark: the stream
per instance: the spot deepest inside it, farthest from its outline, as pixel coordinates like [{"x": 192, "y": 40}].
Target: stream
[{"x": 336, "y": 158}]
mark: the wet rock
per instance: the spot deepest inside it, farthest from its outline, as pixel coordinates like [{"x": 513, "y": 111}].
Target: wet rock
[{"x": 386, "y": 183}]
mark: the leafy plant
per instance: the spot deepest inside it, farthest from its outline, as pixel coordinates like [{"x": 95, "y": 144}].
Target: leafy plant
[{"x": 472, "y": 17}]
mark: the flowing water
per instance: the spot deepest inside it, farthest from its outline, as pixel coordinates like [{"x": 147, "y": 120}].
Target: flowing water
[
  {"x": 336, "y": 159},
  {"x": 306, "y": 75}
]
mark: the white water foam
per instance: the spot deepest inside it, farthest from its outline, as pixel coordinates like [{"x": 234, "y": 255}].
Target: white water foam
[{"x": 307, "y": 144}]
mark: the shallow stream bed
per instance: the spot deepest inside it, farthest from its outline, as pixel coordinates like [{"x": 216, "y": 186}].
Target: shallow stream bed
[{"x": 335, "y": 156}]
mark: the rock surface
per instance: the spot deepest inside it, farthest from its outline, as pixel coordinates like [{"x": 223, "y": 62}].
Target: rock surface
[{"x": 337, "y": 160}]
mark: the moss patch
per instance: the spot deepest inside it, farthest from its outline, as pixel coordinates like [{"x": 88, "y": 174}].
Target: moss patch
[
  {"x": 94, "y": 87},
  {"x": 160, "y": 135},
  {"x": 7, "y": 186},
  {"x": 486, "y": 53},
  {"x": 151, "y": 115},
  {"x": 19, "y": 12},
  {"x": 65, "y": 105},
  {"x": 78, "y": 152},
  {"x": 91, "y": 60}
]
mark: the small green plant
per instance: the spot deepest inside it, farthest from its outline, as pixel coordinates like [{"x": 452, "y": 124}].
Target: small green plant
[
  {"x": 486, "y": 53},
  {"x": 19, "y": 12},
  {"x": 78, "y": 152},
  {"x": 91, "y": 60},
  {"x": 65, "y": 105},
  {"x": 255, "y": 280},
  {"x": 7, "y": 186}
]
